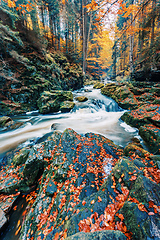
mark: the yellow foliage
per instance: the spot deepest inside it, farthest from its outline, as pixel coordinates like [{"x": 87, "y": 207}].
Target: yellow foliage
[{"x": 11, "y": 3}]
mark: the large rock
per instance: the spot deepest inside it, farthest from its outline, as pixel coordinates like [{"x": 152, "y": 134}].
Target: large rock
[
  {"x": 151, "y": 136},
  {"x": 67, "y": 106},
  {"x": 4, "y": 120},
  {"x": 21, "y": 157},
  {"x": 9, "y": 124},
  {"x": 53, "y": 101},
  {"x": 75, "y": 163}
]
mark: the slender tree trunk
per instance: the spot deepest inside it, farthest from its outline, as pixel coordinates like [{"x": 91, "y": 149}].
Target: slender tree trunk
[
  {"x": 131, "y": 40},
  {"x": 153, "y": 65},
  {"x": 83, "y": 27},
  {"x": 89, "y": 31},
  {"x": 114, "y": 61},
  {"x": 59, "y": 32}
]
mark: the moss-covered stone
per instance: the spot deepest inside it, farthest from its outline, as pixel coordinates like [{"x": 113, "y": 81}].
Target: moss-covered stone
[
  {"x": 98, "y": 85},
  {"x": 4, "y": 120},
  {"x": 131, "y": 149},
  {"x": 21, "y": 157},
  {"x": 81, "y": 99},
  {"x": 137, "y": 222},
  {"x": 53, "y": 101},
  {"x": 67, "y": 106},
  {"x": 151, "y": 135}
]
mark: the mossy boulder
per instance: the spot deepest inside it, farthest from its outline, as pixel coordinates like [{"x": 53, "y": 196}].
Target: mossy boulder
[
  {"x": 81, "y": 99},
  {"x": 151, "y": 136},
  {"x": 67, "y": 106},
  {"x": 109, "y": 90},
  {"x": 4, "y": 120},
  {"x": 100, "y": 235},
  {"x": 128, "y": 103},
  {"x": 133, "y": 120},
  {"x": 98, "y": 85},
  {"x": 21, "y": 157},
  {"x": 50, "y": 102},
  {"x": 131, "y": 149},
  {"x": 33, "y": 166},
  {"x": 7, "y": 123},
  {"x": 137, "y": 222}
]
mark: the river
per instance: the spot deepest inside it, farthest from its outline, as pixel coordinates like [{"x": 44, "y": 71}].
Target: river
[{"x": 99, "y": 114}]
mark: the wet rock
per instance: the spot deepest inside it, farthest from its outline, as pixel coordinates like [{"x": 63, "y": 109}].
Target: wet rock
[
  {"x": 3, "y": 219},
  {"x": 69, "y": 178},
  {"x": 33, "y": 166},
  {"x": 4, "y": 120},
  {"x": 52, "y": 101},
  {"x": 101, "y": 235},
  {"x": 14, "y": 125},
  {"x": 82, "y": 99},
  {"x": 151, "y": 135},
  {"x": 67, "y": 106},
  {"x": 7, "y": 201},
  {"x": 21, "y": 157},
  {"x": 137, "y": 222},
  {"x": 143, "y": 222},
  {"x": 8, "y": 124},
  {"x": 98, "y": 85},
  {"x": 131, "y": 149}
]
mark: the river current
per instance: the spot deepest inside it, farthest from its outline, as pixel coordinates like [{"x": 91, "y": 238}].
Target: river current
[{"x": 99, "y": 114}]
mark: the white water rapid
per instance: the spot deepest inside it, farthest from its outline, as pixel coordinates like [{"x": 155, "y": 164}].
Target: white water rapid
[{"x": 99, "y": 115}]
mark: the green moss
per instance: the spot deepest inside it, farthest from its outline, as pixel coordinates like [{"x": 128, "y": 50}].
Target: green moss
[
  {"x": 136, "y": 221},
  {"x": 98, "y": 85},
  {"x": 82, "y": 99},
  {"x": 21, "y": 157}
]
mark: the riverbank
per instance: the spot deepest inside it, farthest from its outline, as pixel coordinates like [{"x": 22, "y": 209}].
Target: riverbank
[{"x": 142, "y": 99}]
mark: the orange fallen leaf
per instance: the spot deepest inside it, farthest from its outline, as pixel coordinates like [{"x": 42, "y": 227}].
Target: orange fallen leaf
[
  {"x": 151, "y": 213},
  {"x": 92, "y": 202}
]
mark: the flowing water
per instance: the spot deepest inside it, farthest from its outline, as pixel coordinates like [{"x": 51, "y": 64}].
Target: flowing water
[{"x": 99, "y": 114}]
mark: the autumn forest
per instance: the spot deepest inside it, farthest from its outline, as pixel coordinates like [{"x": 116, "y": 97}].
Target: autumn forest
[{"x": 79, "y": 119}]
